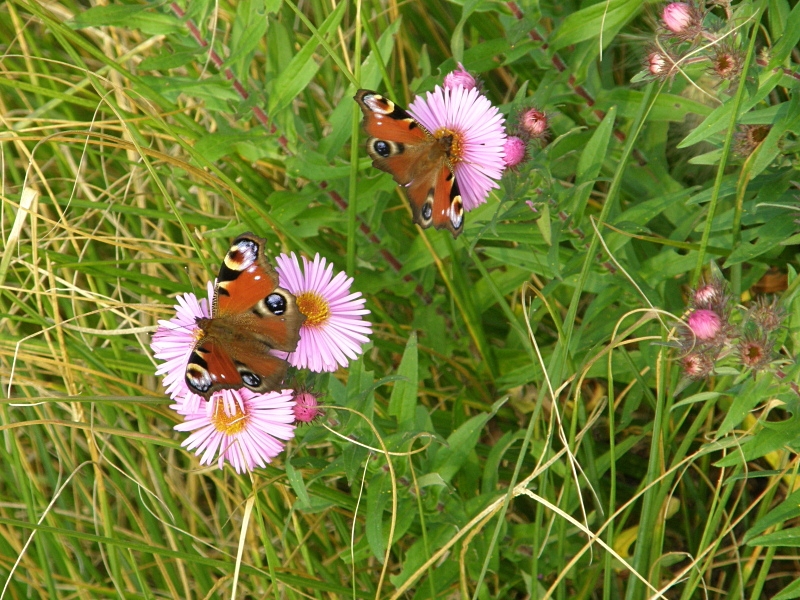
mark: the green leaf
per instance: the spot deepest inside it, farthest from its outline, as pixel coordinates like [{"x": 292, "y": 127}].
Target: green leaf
[
  {"x": 787, "y": 42},
  {"x": 403, "y": 401},
  {"x": 379, "y": 494},
  {"x": 793, "y": 589},
  {"x": 302, "y": 68},
  {"x": 295, "y": 478},
  {"x": 588, "y": 23},
  {"x": 788, "y": 509},
  {"x": 784, "y": 537},
  {"x": 461, "y": 443},
  {"x": 590, "y": 162}
]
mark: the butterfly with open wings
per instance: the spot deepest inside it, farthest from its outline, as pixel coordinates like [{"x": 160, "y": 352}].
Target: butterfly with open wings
[
  {"x": 250, "y": 315},
  {"x": 448, "y": 154},
  {"x": 404, "y": 148}
]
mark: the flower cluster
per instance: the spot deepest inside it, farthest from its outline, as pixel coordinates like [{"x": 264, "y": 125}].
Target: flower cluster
[
  {"x": 245, "y": 428},
  {"x": 715, "y": 330},
  {"x": 684, "y": 38}
]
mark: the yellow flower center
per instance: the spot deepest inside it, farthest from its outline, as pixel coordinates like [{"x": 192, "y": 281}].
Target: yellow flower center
[
  {"x": 228, "y": 424},
  {"x": 314, "y": 307},
  {"x": 451, "y": 143}
]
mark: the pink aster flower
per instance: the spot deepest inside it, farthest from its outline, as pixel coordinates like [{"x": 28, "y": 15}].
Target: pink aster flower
[
  {"x": 478, "y": 133},
  {"x": 174, "y": 340},
  {"x": 244, "y": 428},
  {"x": 334, "y": 330},
  {"x": 705, "y": 324}
]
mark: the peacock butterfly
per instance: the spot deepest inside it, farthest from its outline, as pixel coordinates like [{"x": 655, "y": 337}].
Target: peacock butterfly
[
  {"x": 250, "y": 315},
  {"x": 401, "y": 146}
]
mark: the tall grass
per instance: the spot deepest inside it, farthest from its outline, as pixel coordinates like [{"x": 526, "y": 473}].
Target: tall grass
[{"x": 520, "y": 425}]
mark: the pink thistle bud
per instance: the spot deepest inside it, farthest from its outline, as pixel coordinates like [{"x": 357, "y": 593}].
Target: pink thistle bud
[
  {"x": 755, "y": 352},
  {"x": 306, "y": 407},
  {"x": 657, "y": 64},
  {"x": 459, "y": 77},
  {"x": 710, "y": 294},
  {"x": 705, "y": 324},
  {"x": 697, "y": 365},
  {"x": 514, "y": 151},
  {"x": 534, "y": 123},
  {"x": 677, "y": 17}
]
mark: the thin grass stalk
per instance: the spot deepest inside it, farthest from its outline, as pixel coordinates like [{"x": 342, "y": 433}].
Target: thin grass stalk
[{"x": 726, "y": 147}]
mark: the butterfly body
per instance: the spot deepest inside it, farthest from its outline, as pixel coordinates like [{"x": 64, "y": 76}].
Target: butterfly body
[
  {"x": 419, "y": 160},
  {"x": 250, "y": 316}
]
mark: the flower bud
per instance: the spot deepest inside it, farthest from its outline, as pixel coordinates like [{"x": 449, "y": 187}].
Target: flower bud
[
  {"x": 705, "y": 324},
  {"x": 677, "y": 17},
  {"x": 306, "y": 407},
  {"x": 459, "y": 77},
  {"x": 514, "y": 151},
  {"x": 534, "y": 123}
]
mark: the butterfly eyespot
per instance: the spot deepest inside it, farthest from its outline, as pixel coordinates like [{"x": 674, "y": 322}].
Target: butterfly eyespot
[
  {"x": 198, "y": 378},
  {"x": 382, "y": 148},
  {"x": 250, "y": 379},
  {"x": 276, "y": 304},
  {"x": 427, "y": 211}
]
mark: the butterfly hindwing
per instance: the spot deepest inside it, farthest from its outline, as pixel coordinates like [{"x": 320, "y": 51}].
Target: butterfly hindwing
[
  {"x": 251, "y": 315},
  {"x": 402, "y": 147}
]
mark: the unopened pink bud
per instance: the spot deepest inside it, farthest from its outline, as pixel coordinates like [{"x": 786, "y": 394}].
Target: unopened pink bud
[
  {"x": 534, "y": 122},
  {"x": 306, "y": 407},
  {"x": 656, "y": 64},
  {"x": 705, "y": 324},
  {"x": 459, "y": 77},
  {"x": 677, "y": 16},
  {"x": 514, "y": 151}
]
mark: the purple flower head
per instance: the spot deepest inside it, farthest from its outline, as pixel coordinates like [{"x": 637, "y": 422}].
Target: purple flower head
[
  {"x": 239, "y": 426},
  {"x": 478, "y": 133},
  {"x": 334, "y": 330}
]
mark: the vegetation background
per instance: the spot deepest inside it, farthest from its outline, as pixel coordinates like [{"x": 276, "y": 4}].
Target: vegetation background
[{"x": 520, "y": 426}]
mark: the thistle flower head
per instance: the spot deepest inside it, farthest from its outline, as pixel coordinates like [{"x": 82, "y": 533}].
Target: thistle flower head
[
  {"x": 767, "y": 314},
  {"x": 726, "y": 62},
  {"x": 697, "y": 365},
  {"x": 755, "y": 351}
]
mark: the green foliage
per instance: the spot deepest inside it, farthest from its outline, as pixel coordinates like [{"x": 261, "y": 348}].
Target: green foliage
[{"x": 520, "y": 424}]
